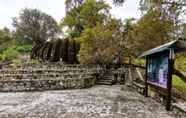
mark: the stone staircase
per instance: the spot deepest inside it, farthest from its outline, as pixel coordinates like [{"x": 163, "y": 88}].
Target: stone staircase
[
  {"x": 47, "y": 76},
  {"x": 107, "y": 79},
  {"x": 46, "y": 72},
  {"x": 113, "y": 76},
  {"x": 52, "y": 76}
]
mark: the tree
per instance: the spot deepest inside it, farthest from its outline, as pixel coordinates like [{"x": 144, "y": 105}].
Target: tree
[
  {"x": 85, "y": 14},
  {"x": 183, "y": 31},
  {"x": 71, "y": 4},
  {"x": 35, "y": 26},
  {"x": 6, "y": 39},
  {"x": 128, "y": 35},
  {"x": 158, "y": 4},
  {"x": 118, "y": 2},
  {"x": 102, "y": 44},
  {"x": 90, "y": 23},
  {"x": 170, "y": 9},
  {"x": 5, "y": 35},
  {"x": 150, "y": 31},
  {"x": 57, "y": 50}
]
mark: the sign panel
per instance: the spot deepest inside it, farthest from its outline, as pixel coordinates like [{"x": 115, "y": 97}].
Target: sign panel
[{"x": 157, "y": 70}]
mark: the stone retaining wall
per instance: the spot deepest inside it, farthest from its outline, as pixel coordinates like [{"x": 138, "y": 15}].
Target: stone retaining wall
[
  {"x": 41, "y": 85},
  {"x": 47, "y": 76}
]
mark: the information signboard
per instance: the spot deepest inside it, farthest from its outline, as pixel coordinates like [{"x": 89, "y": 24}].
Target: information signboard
[
  {"x": 160, "y": 67},
  {"x": 157, "y": 70}
]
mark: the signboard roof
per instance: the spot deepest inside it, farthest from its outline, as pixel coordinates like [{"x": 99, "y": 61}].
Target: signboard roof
[{"x": 178, "y": 46}]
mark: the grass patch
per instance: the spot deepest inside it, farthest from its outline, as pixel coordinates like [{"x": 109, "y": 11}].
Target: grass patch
[{"x": 179, "y": 84}]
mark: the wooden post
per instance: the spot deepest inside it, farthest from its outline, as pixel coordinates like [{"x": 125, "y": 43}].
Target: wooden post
[
  {"x": 169, "y": 82},
  {"x": 146, "y": 78}
]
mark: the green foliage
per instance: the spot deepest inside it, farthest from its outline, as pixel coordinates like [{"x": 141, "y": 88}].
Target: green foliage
[
  {"x": 32, "y": 61},
  {"x": 4, "y": 46},
  {"x": 184, "y": 31},
  {"x": 6, "y": 39},
  {"x": 179, "y": 84},
  {"x": 150, "y": 31},
  {"x": 169, "y": 5},
  {"x": 35, "y": 26},
  {"x": 5, "y": 36},
  {"x": 102, "y": 44},
  {"x": 180, "y": 62},
  {"x": 24, "y": 48},
  {"x": 9, "y": 54},
  {"x": 13, "y": 51},
  {"x": 139, "y": 62},
  {"x": 70, "y": 4},
  {"x": 16, "y": 62},
  {"x": 173, "y": 10},
  {"x": 87, "y": 14}
]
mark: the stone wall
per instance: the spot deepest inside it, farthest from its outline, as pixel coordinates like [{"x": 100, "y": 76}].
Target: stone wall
[
  {"x": 48, "y": 84},
  {"x": 49, "y": 76},
  {"x": 54, "y": 76}
]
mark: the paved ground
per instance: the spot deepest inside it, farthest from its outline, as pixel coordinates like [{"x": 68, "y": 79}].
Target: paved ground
[{"x": 96, "y": 102}]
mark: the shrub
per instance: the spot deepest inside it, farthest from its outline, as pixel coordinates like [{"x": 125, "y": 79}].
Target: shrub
[
  {"x": 10, "y": 54},
  {"x": 24, "y": 48}
]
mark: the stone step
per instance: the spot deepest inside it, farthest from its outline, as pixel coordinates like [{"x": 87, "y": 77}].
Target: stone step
[
  {"x": 52, "y": 74},
  {"x": 104, "y": 83},
  {"x": 48, "y": 79},
  {"x": 57, "y": 69},
  {"x": 108, "y": 79},
  {"x": 40, "y": 71},
  {"x": 39, "y": 76},
  {"x": 56, "y": 66},
  {"x": 46, "y": 84},
  {"x": 44, "y": 78},
  {"x": 104, "y": 80}
]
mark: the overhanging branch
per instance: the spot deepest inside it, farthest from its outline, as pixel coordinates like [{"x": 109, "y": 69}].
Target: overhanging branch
[{"x": 179, "y": 74}]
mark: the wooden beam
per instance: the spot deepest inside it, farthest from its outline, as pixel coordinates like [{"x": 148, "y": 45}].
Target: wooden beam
[
  {"x": 146, "y": 78},
  {"x": 139, "y": 74},
  {"x": 169, "y": 84}
]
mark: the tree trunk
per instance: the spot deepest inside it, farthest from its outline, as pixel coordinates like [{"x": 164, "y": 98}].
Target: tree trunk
[{"x": 179, "y": 74}]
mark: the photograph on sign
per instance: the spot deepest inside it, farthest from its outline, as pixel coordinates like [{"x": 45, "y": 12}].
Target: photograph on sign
[{"x": 158, "y": 70}]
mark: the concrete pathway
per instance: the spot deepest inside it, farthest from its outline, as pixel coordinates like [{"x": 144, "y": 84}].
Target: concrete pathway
[{"x": 95, "y": 102}]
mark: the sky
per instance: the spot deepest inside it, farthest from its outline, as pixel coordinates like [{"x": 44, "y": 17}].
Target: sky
[{"x": 56, "y": 8}]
